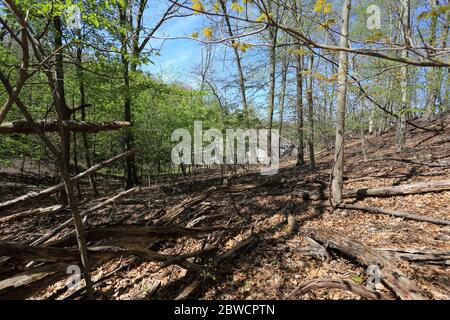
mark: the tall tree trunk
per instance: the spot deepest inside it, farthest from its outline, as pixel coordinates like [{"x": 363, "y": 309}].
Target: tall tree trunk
[
  {"x": 130, "y": 168},
  {"x": 272, "y": 81},
  {"x": 406, "y": 27},
  {"x": 309, "y": 95},
  {"x": 444, "y": 72},
  {"x": 64, "y": 160},
  {"x": 432, "y": 81},
  {"x": 84, "y": 136},
  {"x": 282, "y": 97},
  {"x": 299, "y": 103},
  {"x": 59, "y": 94},
  {"x": 341, "y": 100}
]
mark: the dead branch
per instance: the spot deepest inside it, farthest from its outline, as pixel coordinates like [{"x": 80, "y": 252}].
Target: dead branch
[
  {"x": 39, "y": 212},
  {"x": 32, "y": 281},
  {"x": 411, "y": 161},
  {"x": 406, "y": 189},
  {"x": 428, "y": 256},
  {"x": 408, "y": 216}
]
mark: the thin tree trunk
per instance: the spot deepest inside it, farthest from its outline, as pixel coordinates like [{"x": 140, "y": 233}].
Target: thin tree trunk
[
  {"x": 84, "y": 136},
  {"x": 284, "y": 72},
  {"x": 432, "y": 81},
  {"x": 272, "y": 80},
  {"x": 130, "y": 169},
  {"x": 299, "y": 102},
  {"x": 309, "y": 94},
  {"x": 64, "y": 163},
  {"x": 341, "y": 100},
  {"x": 406, "y": 27}
]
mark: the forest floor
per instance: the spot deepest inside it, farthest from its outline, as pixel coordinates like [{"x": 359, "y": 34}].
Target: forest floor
[{"x": 275, "y": 265}]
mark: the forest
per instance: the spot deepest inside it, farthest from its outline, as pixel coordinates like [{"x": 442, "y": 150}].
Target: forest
[{"x": 224, "y": 150}]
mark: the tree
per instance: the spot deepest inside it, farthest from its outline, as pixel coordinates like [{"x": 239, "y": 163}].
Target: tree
[
  {"x": 310, "y": 99},
  {"x": 405, "y": 14},
  {"x": 341, "y": 101}
]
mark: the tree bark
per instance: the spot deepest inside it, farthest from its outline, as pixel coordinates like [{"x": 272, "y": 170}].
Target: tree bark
[
  {"x": 309, "y": 95},
  {"x": 406, "y": 27},
  {"x": 415, "y": 188},
  {"x": 408, "y": 216},
  {"x": 282, "y": 97},
  {"x": 341, "y": 100},
  {"x": 84, "y": 136},
  {"x": 272, "y": 81},
  {"x": 130, "y": 166},
  {"x": 299, "y": 102}
]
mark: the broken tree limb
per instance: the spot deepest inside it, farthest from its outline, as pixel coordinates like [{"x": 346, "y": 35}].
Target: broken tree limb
[
  {"x": 428, "y": 256},
  {"x": 68, "y": 222},
  {"x": 24, "y": 127},
  {"x": 33, "y": 213},
  {"x": 35, "y": 196},
  {"x": 346, "y": 285},
  {"x": 408, "y": 216},
  {"x": 315, "y": 250},
  {"x": 412, "y": 161},
  {"x": 30, "y": 282},
  {"x": 391, "y": 276},
  {"x": 406, "y": 189}
]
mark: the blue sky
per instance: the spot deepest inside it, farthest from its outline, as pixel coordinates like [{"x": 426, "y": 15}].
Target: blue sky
[{"x": 177, "y": 57}]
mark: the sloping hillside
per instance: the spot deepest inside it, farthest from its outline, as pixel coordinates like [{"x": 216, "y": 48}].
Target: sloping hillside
[{"x": 269, "y": 237}]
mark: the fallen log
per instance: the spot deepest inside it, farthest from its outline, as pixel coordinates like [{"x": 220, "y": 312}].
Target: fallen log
[
  {"x": 31, "y": 282},
  {"x": 408, "y": 216},
  {"x": 415, "y": 188},
  {"x": 36, "y": 196},
  {"x": 315, "y": 250},
  {"x": 24, "y": 127},
  {"x": 412, "y": 161},
  {"x": 391, "y": 276},
  {"x": 346, "y": 285},
  {"x": 32, "y": 213},
  {"x": 435, "y": 257}
]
